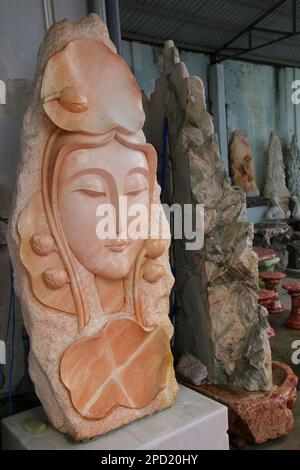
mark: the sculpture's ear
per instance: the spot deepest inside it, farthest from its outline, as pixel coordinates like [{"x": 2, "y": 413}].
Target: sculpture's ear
[{"x": 38, "y": 253}]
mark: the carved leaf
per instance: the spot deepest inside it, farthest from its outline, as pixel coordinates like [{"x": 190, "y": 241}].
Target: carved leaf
[{"x": 123, "y": 365}]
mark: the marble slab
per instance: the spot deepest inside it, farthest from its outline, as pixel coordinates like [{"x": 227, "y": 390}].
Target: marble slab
[{"x": 195, "y": 422}]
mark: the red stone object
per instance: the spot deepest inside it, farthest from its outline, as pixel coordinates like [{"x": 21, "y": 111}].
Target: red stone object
[
  {"x": 293, "y": 289},
  {"x": 272, "y": 281},
  {"x": 264, "y": 254},
  {"x": 266, "y": 299},
  {"x": 257, "y": 417}
]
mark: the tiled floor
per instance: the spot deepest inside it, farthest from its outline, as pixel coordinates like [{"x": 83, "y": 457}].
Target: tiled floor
[{"x": 282, "y": 351}]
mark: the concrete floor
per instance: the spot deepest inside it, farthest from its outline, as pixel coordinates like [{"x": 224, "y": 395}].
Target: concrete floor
[{"x": 282, "y": 351}]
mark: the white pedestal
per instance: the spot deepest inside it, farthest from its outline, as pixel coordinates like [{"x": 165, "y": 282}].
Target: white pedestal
[{"x": 195, "y": 422}]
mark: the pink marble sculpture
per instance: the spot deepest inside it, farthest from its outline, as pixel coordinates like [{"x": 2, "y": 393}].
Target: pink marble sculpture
[{"x": 96, "y": 309}]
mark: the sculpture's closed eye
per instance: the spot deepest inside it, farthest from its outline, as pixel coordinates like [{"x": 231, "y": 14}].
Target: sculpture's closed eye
[
  {"x": 90, "y": 185},
  {"x": 91, "y": 192},
  {"x": 136, "y": 192},
  {"x": 135, "y": 184}
]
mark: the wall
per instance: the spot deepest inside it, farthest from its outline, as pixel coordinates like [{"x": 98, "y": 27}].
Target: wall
[
  {"x": 258, "y": 100},
  {"x": 18, "y": 51},
  {"x": 143, "y": 61},
  {"x": 288, "y": 113},
  {"x": 250, "y": 91},
  {"x": 257, "y": 96}
]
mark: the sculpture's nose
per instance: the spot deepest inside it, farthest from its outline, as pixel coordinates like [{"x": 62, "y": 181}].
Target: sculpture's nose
[{"x": 120, "y": 205}]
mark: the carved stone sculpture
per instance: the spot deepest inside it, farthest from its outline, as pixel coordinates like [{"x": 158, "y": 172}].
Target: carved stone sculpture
[
  {"x": 96, "y": 310},
  {"x": 275, "y": 211},
  {"x": 275, "y": 179},
  {"x": 293, "y": 167},
  {"x": 296, "y": 208},
  {"x": 242, "y": 167},
  {"x": 217, "y": 318}
]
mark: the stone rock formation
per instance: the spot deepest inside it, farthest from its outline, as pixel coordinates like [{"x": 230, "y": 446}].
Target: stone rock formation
[
  {"x": 95, "y": 308},
  {"x": 292, "y": 161},
  {"x": 217, "y": 318},
  {"x": 275, "y": 178},
  {"x": 241, "y": 160}
]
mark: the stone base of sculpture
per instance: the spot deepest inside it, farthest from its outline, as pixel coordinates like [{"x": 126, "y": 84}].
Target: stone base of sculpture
[{"x": 257, "y": 417}]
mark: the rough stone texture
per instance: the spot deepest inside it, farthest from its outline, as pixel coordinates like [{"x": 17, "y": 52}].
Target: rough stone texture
[
  {"x": 275, "y": 235},
  {"x": 191, "y": 369},
  {"x": 241, "y": 160},
  {"x": 275, "y": 178},
  {"x": 254, "y": 416},
  {"x": 51, "y": 332},
  {"x": 217, "y": 312}
]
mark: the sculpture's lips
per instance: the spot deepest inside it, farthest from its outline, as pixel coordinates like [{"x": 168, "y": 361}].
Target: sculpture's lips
[{"x": 118, "y": 247}]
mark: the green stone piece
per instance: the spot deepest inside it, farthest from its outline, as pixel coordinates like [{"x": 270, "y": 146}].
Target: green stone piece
[
  {"x": 34, "y": 426},
  {"x": 269, "y": 264}
]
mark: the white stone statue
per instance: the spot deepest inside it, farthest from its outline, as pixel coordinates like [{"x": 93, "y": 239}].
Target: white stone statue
[
  {"x": 293, "y": 167},
  {"x": 275, "y": 211},
  {"x": 296, "y": 208},
  {"x": 275, "y": 180}
]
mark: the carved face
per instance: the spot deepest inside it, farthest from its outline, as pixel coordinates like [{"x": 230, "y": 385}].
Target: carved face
[{"x": 89, "y": 178}]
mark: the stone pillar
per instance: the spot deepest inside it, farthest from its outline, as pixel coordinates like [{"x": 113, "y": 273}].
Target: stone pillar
[{"x": 113, "y": 23}]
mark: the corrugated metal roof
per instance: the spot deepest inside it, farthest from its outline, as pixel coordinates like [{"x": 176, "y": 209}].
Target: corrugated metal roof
[{"x": 207, "y": 25}]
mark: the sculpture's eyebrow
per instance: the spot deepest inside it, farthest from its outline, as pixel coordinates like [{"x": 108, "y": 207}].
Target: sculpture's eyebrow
[
  {"x": 93, "y": 171},
  {"x": 139, "y": 169}
]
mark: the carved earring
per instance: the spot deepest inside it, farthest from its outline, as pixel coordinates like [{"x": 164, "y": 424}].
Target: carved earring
[
  {"x": 42, "y": 243},
  {"x": 55, "y": 278},
  {"x": 154, "y": 248},
  {"x": 151, "y": 271}
]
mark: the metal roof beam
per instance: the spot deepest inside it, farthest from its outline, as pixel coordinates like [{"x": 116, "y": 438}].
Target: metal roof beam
[
  {"x": 270, "y": 31},
  {"x": 251, "y": 26},
  {"x": 297, "y": 33},
  {"x": 176, "y": 15}
]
